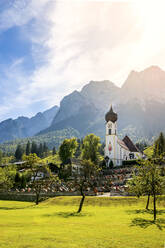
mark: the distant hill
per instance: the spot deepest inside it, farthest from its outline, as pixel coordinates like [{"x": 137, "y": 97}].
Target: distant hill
[
  {"x": 52, "y": 139},
  {"x": 24, "y": 127}
]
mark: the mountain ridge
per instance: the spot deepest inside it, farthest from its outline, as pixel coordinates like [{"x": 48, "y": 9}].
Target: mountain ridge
[{"x": 140, "y": 104}]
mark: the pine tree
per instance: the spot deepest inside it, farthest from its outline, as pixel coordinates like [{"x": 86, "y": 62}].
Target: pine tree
[
  {"x": 54, "y": 150},
  {"x": 1, "y": 156},
  {"x": 28, "y": 148},
  {"x": 45, "y": 149},
  {"x": 19, "y": 152},
  {"x": 34, "y": 148},
  {"x": 40, "y": 150},
  {"x": 159, "y": 146}
]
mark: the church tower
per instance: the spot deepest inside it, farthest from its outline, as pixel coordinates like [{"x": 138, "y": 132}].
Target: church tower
[{"x": 111, "y": 137}]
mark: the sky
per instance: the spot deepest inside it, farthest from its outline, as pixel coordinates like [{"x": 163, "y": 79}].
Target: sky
[{"x": 48, "y": 48}]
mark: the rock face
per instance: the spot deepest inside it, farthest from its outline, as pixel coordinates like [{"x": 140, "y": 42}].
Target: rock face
[
  {"x": 140, "y": 105},
  {"x": 81, "y": 110},
  {"x": 25, "y": 127},
  {"x": 148, "y": 85}
]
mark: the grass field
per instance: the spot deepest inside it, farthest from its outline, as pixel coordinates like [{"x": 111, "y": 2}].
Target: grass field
[{"x": 104, "y": 223}]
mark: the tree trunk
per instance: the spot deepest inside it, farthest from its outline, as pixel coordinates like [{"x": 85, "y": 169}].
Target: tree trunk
[
  {"x": 148, "y": 201},
  {"x": 37, "y": 199},
  {"x": 154, "y": 207},
  {"x": 81, "y": 202}
]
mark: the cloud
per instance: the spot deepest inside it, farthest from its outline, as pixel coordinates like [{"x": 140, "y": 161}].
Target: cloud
[
  {"x": 81, "y": 44},
  {"x": 20, "y": 12},
  {"x": 75, "y": 41}
]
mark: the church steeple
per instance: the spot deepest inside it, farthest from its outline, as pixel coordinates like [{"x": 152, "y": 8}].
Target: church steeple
[
  {"x": 111, "y": 136},
  {"x": 111, "y": 115}
]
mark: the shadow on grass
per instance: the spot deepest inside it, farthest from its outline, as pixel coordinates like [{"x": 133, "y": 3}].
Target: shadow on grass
[
  {"x": 68, "y": 214},
  {"x": 143, "y": 223},
  {"x": 144, "y": 211},
  {"x": 15, "y": 208}
]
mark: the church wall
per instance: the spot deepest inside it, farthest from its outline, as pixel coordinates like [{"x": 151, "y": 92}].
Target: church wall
[{"x": 113, "y": 150}]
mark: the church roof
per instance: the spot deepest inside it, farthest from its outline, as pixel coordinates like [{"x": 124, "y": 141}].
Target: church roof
[
  {"x": 111, "y": 116},
  {"x": 128, "y": 142},
  {"x": 122, "y": 144}
]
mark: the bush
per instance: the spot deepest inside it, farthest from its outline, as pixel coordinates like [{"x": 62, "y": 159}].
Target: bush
[
  {"x": 130, "y": 162},
  {"x": 111, "y": 164}
]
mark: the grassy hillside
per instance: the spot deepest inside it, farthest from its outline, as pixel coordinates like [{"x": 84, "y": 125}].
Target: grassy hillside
[
  {"x": 52, "y": 139},
  {"x": 104, "y": 223}
]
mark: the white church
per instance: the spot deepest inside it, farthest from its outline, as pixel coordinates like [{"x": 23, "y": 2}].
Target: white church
[{"x": 117, "y": 150}]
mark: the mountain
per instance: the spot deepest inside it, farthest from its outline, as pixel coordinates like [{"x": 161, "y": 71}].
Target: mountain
[
  {"x": 145, "y": 86},
  {"x": 25, "y": 127},
  {"x": 81, "y": 110},
  {"x": 140, "y": 105}
]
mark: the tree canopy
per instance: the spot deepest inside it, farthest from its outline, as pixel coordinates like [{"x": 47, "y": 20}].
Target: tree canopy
[
  {"x": 67, "y": 149},
  {"x": 90, "y": 148}
]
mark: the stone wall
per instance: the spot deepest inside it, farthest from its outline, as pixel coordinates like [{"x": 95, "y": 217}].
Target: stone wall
[{"x": 29, "y": 197}]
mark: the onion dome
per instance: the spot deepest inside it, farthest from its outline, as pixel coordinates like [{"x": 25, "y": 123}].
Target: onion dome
[{"x": 111, "y": 116}]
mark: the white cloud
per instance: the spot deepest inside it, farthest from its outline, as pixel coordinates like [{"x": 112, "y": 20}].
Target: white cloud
[
  {"x": 75, "y": 41},
  {"x": 21, "y": 12},
  {"x": 81, "y": 41}
]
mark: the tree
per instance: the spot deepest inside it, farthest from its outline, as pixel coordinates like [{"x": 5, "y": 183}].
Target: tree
[
  {"x": 28, "y": 148},
  {"x": 1, "y": 156},
  {"x": 40, "y": 150},
  {"x": 159, "y": 145},
  {"x": 19, "y": 152},
  {"x": 7, "y": 176},
  {"x": 34, "y": 148},
  {"x": 90, "y": 148},
  {"x": 148, "y": 181},
  {"x": 54, "y": 151},
  {"x": 67, "y": 149},
  {"x": 86, "y": 179},
  {"x": 41, "y": 177},
  {"x": 45, "y": 149},
  {"x": 17, "y": 180}
]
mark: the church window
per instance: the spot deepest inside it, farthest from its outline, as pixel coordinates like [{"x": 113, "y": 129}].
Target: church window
[
  {"x": 131, "y": 156},
  {"x": 109, "y": 131}
]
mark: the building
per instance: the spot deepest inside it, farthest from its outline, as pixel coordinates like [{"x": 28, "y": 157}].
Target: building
[{"x": 117, "y": 150}]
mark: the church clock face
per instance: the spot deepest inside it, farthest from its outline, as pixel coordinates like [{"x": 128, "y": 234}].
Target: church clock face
[{"x": 109, "y": 125}]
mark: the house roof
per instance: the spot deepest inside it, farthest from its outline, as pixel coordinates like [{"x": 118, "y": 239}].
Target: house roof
[
  {"x": 122, "y": 144},
  {"x": 128, "y": 142}
]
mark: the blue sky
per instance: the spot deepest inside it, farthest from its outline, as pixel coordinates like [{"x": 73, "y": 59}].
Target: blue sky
[{"x": 49, "y": 48}]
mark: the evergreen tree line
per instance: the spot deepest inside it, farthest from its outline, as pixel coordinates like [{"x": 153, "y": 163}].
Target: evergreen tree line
[
  {"x": 159, "y": 145},
  {"x": 41, "y": 150}
]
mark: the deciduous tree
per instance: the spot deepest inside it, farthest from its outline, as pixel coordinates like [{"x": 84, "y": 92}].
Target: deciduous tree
[
  {"x": 149, "y": 180},
  {"x": 41, "y": 177},
  {"x": 90, "y": 148},
  {"x": 67, "y": 149},
  {"x": 85, "y": 179}
]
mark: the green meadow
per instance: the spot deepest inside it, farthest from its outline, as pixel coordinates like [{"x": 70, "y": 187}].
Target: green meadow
[{"x": 118, "y": 222}]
